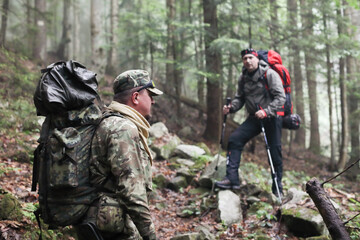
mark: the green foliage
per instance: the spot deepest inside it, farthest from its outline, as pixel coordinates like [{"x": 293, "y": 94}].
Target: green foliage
[
  {"x": 264, "y": 211},
  {"x": 28, "y": 210},
  {"x": 16, "y": 79},
  {"x": 353, "y": 226},
  {"x": 227, "y": 45},
  {"x": 200, "y": 162},
  {"x": 257, "y": 175},
  {"x": 18, "y": 114},
  {"x": 295, "y": 178}
]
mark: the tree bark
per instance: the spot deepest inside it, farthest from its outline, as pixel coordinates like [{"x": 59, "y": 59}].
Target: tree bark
[
  {"x": 97, "y": 52},
  {"x": 40, "y": 35},
  {"x": 200, "y": 65},
  {"x": 231, "y": 82},
  {"x": 4, "y": 18},
  {"x": 113, "y": 38},
  {"x": 75, "y": 32},
  {"x": 310, "y": 66},
  {"x": 63, "y": 48},
  {"x": 273, "y": 26},
  {"x": 213, "y": 66},
  {"x": 332, "y": 164},
  {"x": 353, "y": 99},
  {"x": 170, "y": 78},
  {"x": 343, "y": 100},
  {"x": 328, "y": 212},
  {"x": 298, "y": 78}
]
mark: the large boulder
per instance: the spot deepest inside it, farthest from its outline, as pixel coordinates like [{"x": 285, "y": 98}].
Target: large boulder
[
  {"x": 165, "y": 146},
  {"x": 186, "y": 236},
  {"x": 216, "y": 170},
  {"x": 177, "y": 182},
  {"x": 300, "y": 216},
  {"x": 229, "y": 207},
  {"x": 158, "y": 130},
  {"x": 188, "y": 151}
]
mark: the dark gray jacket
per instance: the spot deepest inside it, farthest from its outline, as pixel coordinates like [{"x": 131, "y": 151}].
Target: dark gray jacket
[{"x": 251, "y": 91}]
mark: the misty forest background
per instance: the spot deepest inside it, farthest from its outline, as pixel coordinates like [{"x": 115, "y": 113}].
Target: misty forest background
[{"x": 192, "y": 50}]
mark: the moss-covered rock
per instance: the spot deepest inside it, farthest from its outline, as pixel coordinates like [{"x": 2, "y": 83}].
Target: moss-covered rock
[
  {"x": 160, "y": 180},
  {"x": 10, "y": 208},
  {"x": 176, "y": 183},
  {"x": 205, "y": 147},
  {"x": 303, "y": 222}
]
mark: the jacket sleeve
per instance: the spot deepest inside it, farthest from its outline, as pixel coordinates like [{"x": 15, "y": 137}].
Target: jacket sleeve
[
  {"x": 238, "y": 102},
  {"x": 126, "y": 166},
  {"x": 277, "y": 92}
]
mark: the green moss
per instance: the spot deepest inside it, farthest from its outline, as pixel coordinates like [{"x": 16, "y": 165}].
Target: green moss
[{"x": 10, "y": 208}]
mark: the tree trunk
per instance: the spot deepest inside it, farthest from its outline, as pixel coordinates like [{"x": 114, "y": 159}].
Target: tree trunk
[
  {"x": 113, "y": 38},
  {"x": 310, "y": 66},
  {"x": 353, "y": 99},
  {"x": 333, "y": 222},
  {"x": 199, "y": 59},
  {"x": 343, "y": 99},
  {"x": 332, "y": 165},
  {"x": 178, "y": 52},
  {"x": 232, "y": 77},
  {"x": 63, "y": 48},
  {"x": 273, "y": 25},
  {"x": 355, "y": 171},
  {"x": 97, "y": 52},
  {"x": 4, "y": 18},
  {"x": 213, "y": 66},
  {"x": 75, "y": 32},
  {"x": 29, "y": 27},
  {"x": 298, "y": 78},
  {"x": 201, "y": 67},
  {"x": 170, "y": 78},
  {"x": 40, "y": 21},
  {"x": 249, "y": 22}
]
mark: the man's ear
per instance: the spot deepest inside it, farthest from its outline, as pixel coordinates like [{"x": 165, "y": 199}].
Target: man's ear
[{"x": 134, "y": 98}]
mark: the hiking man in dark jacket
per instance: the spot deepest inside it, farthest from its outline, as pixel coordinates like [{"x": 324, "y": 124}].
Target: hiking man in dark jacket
[{"x": 262, "y": 101}]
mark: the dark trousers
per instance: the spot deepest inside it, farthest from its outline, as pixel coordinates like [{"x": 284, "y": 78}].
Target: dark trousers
[{"x": 250, "y": 128}]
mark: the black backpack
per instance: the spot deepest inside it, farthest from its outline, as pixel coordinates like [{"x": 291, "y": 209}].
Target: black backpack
[{"x": 65, "y": 95}]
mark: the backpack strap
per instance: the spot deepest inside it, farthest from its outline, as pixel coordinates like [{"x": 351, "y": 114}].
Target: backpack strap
[
  {"x": 264, "y": 80},
  {"x": 105, "y": 186}
]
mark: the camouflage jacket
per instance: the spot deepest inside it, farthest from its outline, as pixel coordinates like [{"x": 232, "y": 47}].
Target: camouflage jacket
[
  {"x": 252, "y": 91},
  {"x": 120, "y": 165}
]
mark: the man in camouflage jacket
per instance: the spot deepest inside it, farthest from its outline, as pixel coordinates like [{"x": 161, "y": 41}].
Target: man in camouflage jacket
[
  {"x": 262, "y": 101},
  {"x": 121, "y": 161}
]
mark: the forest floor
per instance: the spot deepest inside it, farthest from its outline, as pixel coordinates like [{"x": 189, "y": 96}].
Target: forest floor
[
  {"x": 17, "y": 179},
  {"x": 16, "y": 174}
]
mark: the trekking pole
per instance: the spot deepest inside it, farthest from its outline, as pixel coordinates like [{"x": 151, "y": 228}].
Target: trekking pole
[
  {"x": 228, "y": 101},
  {"x": 273, "y": 173}
]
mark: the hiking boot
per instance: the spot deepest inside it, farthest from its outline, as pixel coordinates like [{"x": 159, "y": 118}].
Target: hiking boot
[{"x": 226, "y": 184}]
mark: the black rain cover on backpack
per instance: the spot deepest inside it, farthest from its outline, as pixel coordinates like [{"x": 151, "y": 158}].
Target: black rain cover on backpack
[
  {"x": 65, "y": 86},
  {"x": 65, "y": 94}
]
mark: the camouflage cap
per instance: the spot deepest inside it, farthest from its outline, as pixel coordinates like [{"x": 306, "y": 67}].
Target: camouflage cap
[{"x": 132, "y": 79}]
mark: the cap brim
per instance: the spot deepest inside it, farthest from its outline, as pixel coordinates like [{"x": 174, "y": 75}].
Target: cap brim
[{"x": 155, "y": 91}]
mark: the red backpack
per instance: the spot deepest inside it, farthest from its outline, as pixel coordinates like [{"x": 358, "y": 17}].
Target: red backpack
[{"x": 275, "y": 62}]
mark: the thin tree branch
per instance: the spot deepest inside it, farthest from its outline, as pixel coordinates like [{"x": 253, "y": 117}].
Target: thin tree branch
[
  {"x": 351, "y": 219},
  {"x": 330, "y": 179}
]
